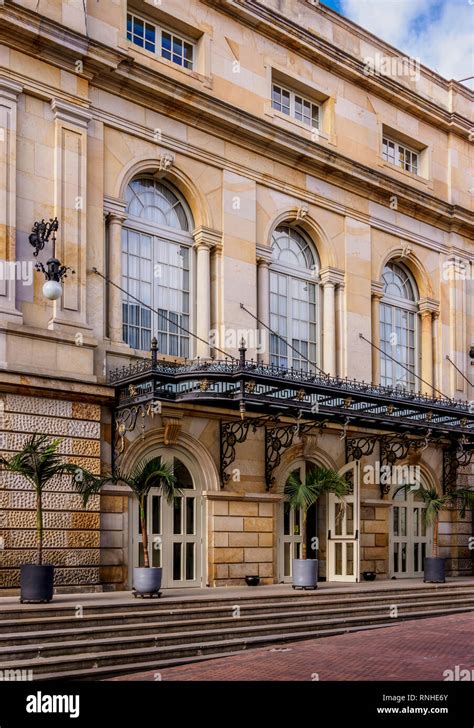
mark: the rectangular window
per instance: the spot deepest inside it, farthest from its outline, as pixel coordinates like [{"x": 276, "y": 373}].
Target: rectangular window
[
  {"x": 294, "y": 105},
  {"x": 157, "y": 40},
  {"x": 400, "y": 155}
]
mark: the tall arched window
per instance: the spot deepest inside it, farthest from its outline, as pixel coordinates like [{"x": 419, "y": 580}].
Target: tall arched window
[
  {"x": 156, "y": 260},
  {"x": 293, "y": 300},
  {"x": 398, "y": 328}
]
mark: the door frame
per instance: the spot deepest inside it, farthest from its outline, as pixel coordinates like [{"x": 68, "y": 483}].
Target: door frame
[
  {"x": 410, "y": 503},
  {"x": 168, "y": 453},
  {"x": 354, "y": 465}
]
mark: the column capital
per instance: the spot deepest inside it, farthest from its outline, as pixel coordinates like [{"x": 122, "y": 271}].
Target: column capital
[
  {"x": 208, "y": 237},
  {"x": 377, "y": 289},
  {"x": 332, "y": 276},
  {"x": 264, "y": 255},
  {"x": 428, "y": 306},
  {"x": 9, "y": 89},
  {"x": 114, "y": 209},
  {"x": 70, "y": 113}
]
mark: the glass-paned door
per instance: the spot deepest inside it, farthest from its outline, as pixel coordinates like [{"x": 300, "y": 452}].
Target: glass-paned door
[
  {"x": 290, "y": 541},
  {"x": 343, "y": 530},
  {"x": 410, "y": 538},
  {"x": 174, "y": 531}
]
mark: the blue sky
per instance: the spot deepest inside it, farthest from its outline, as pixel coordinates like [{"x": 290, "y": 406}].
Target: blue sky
[{"x": 440, "y": 33}]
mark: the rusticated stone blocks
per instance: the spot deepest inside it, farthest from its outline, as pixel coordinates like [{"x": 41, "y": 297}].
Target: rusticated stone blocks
[{"x": 71, "y": 532}]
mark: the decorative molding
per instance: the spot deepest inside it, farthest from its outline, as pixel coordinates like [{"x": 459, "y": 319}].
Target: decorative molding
[
  {"x": 173, "y": 426},
  {"x": 428, "y": 306},
  {"x": 9, "y": 89},
  {"x": 377, "y": 289},
  {"x": 332, "y": 275},
  {"x": 78, "y": 116},
  {"x": 264, "y": 255},
  {"x": 207, "y": 236}
]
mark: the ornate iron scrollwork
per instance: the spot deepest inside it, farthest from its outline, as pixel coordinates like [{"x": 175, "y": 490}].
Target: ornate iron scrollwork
[
  {"x": 126, "y": 420},
  {"x": 455, "y": 457},
  {"x": 233, "y": 433},
  {"x": 398, "y": 447},
  {"x": 278, "y": 439},
  {"x": 358, "y": 447}
]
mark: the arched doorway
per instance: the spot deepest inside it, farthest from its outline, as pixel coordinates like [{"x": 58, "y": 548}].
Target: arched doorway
[
  {"x": 410, "y": 538},
  {"x": 175, "y": 531}
]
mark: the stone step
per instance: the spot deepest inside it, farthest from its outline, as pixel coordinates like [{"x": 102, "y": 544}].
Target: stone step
[
  {"x": 108, "y": 663},
  {"x": 38, "y": 655},
  {"x": 30, "y": 613},
  {"x": 81, "y": 629}
]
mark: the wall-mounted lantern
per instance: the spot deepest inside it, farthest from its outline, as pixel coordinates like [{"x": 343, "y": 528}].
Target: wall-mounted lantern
[{"x": 54, "y": 271}]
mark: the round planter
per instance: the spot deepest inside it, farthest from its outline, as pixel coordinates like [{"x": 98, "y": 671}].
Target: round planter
[
  {"x": 305, "y": 573},
  {"x": 434, "y": 570},
  {"x": 369, "y": 575},
  {"x": 147, "y": 580},
  {"x": 252, "y": 580},
  {"x": 36, "y": 582}
]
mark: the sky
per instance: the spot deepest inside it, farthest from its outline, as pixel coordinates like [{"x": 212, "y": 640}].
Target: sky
[{"x": 438, "y": 32}]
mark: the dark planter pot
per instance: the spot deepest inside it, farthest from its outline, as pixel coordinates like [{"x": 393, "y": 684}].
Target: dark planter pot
[
  {"x": 36, "y": 582},
  {"x": 252, "y": 580},
  {"x": 305, "y": 573},
  {"x": 434, "y": 570},
  {"x": 369, "y": 575},
  {"x": 147, "y": 580}
]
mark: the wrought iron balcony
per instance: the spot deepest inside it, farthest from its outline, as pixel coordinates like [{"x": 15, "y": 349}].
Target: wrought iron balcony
[{"x": 248, "y": 386}]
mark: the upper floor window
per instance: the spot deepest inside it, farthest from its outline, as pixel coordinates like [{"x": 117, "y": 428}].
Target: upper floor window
[
  {"x": 293, "y": 104},
  {"x": 156, "y": 267},
  {"x": 293, "y": 300},
  {"x": 400, "y": 155},
  {"x": 158, "y": 40},
  {"x": 398, "y": 328}
]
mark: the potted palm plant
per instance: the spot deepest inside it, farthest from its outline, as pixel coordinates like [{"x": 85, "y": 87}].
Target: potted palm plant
[
  {"x": 144, "y": 476},
  {"x": 302, "y": 495},
  {"x": 39, "y": 462},
  {"x": 460, "y": 499}
]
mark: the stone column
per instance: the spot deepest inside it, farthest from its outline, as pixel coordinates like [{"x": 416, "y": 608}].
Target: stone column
[
  {"x": 377, "y": 295},
  {"x": 115, "y": 218},
  {"x": 9, "y": 92},
  {"x": 426, "y": 308},
  {"x": 204, "y": 240},
  {"x": 330, "y": 279},
  {"x": 264, "y": 257},
  {"x": 436, "y": 362}
]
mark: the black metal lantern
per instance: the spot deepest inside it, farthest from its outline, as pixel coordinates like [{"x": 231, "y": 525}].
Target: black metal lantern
[{"x": 54, "y": 272}]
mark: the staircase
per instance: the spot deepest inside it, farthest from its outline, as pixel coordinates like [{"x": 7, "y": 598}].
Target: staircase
[{"x": 125, "y": 635}]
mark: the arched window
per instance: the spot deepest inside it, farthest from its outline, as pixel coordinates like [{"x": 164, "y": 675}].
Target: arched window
[
  {"x": 156, "y": 260},
  {"x": 398, "y": 328},
  {"x": 293, "y": 300}
]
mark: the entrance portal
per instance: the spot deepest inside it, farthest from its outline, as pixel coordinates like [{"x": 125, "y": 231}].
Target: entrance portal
[{"x": 174, "y": 530}]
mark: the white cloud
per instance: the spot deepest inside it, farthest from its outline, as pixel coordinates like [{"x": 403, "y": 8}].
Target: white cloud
[{"x": 438, "y": 32}]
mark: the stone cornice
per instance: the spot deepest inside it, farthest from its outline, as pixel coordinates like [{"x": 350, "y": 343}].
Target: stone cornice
[
  {"x": 276, "y": 26},
  {"x": 264, "y": 254},
  {"x": 60, "y": 44},
  {"x": 428, "y": 305},
  {"x": 219, "y": 118},
  {"x": 146, "y": 86}
]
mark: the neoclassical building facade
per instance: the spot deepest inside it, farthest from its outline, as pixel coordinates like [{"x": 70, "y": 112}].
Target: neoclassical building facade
[{"x": 273, "y": 269}]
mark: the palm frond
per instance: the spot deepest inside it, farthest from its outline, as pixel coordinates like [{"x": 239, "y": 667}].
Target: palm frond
[{"x": 318, "y": 481}]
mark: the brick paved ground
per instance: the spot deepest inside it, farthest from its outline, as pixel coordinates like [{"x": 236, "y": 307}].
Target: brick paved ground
[{"x": 416, "y": 650}]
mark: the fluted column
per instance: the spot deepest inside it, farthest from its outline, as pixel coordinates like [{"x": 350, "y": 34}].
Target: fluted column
[
  {"x": 115, "y": 220},
  {"x": 264, "y": 256},
  {"x": 204, "y": 240},
  {"x": 377, "y": 295},
  {"x": 330, "y": 278}
]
